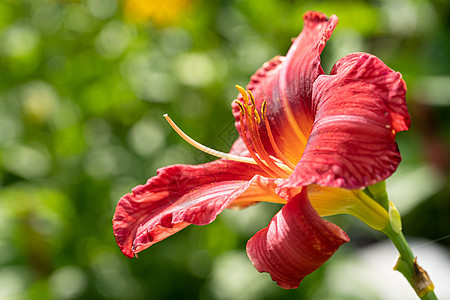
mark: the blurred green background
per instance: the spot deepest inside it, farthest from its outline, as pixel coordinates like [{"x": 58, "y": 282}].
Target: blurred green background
[{"x": 83, "y": 86}]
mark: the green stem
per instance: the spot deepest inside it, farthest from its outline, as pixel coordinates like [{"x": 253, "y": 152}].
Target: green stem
[{"x": 407, "y": 265}]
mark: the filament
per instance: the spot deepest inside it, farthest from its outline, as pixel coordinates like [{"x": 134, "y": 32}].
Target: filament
[
  {"x": 254, "y": 161},
  {"x": 205, "y": 149}
]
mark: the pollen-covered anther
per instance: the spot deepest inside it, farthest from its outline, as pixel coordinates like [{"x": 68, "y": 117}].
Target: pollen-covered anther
[
  {"x": 263, "y": 110},
  {"x": 249, "y": 103},
  {"x": 241, "y": 107},
  {"x": 252, "y": 99},
  {"x": 249, "y": 121}
]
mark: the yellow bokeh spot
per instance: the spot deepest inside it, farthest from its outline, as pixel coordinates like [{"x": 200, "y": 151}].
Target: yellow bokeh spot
[{"x": 160, "y": 12}]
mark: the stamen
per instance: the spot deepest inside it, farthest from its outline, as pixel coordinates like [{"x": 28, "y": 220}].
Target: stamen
[
  {"x": 271, "y": 138},
  {"x": 250, "y": 149},
  {"x": 256, "y": 148},
  {"x": 241, "y": 107},
  {"x": 242, "y": 92},
  {"x": 259, "y": 155},
  {"x": 245, "y": 96},
  {"x": 205, "y": 149},
  {"x": 263, "y": 109},
  {"x": 252, "y": 99},
  {"x": 256, "y": 141}
]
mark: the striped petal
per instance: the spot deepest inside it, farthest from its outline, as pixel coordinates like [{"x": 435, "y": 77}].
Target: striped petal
[
  {"x": 285, "y": 83},
  {"x": 181, "y": 195},
  {"x": 358, "y": 110},
  {"x": 296, "y": 243}
]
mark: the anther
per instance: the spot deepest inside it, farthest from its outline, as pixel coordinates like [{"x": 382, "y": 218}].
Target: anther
[
  {"x": 252, "y": 99},
  {"x": 263, "y": 110},
  {"x": 241, "y": 107},
  {"x": 242, "y": 92}
]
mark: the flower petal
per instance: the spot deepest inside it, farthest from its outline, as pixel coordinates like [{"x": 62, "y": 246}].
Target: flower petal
[
  {"x": 181, "y": 195},
  {"x": 285, "y": 83},
  {"x": 358, "y": 110},
  {"x": 296, "y": 242},
  {"x": 261, "y": 86},
  {"x": 302, "y": 67}
]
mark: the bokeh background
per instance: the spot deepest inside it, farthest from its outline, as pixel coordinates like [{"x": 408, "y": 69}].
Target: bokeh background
[{"x": 83, "y": 86}]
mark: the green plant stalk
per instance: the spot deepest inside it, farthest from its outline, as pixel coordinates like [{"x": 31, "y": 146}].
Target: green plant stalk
[
  {"x": 406, "y": 262},
  {"x": 407, "y": 265}
]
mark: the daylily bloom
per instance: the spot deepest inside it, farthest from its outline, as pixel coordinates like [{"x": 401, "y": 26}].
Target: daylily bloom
[{"x": 308, "y": 140}]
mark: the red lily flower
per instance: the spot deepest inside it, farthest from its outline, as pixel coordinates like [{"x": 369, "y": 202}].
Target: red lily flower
[{"x": 307, "y": 140}]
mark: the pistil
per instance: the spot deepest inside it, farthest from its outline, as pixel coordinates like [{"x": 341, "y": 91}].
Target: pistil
[
  {"x": 277, "y": 167},
  {"x": 205, "y": 149}
]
